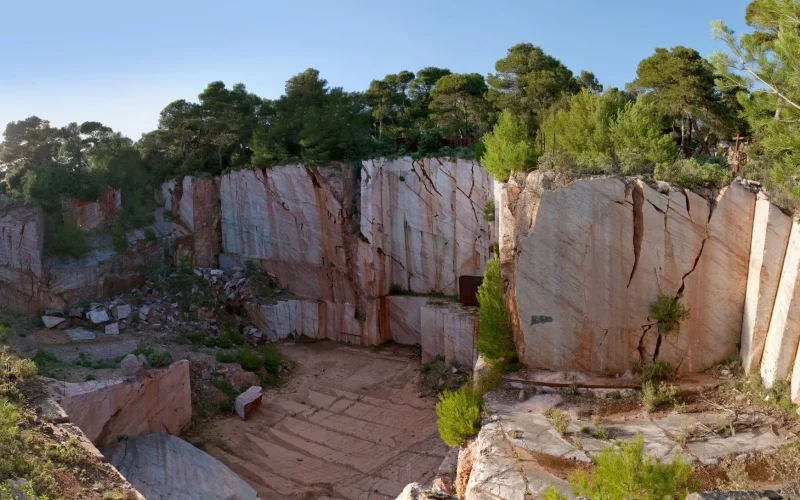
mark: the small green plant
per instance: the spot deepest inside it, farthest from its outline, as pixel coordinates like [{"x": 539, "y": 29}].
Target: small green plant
[
  {"x": 657, "y": 371},
  {"x": 551, "y": 493},
  {"x": 668, "y": 313},
  {"x": 598, "y": 429},
  {"x": 48, "y": 364},
  {"x": 159, "y": 359},
  {"x": 118, "y": 237},
  {"x": 654, "y": 394},
  {"x": 488, "y": 211},
  {"x": 249, "y": 360},
  {"x": 489, "y": 381},
  {"x": 437, "y": 376},
  {"x": 150, "y": 235},
  {"x": 459, "y": 415},
  {"x": 559, "y": 420},
  {"x": 495, "y": 342},
  {"x": 272, "y": 359},
  {"x": 572, "y": 390},
  {"x": 227, "y": 356},
  {"x": 623, "y": 471},
  {"x": 5, "y": 332},
  {"x": 68, "y": 239}
]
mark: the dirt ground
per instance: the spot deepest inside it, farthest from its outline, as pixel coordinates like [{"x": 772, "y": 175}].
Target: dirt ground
[{"x": 351, "y": 423}]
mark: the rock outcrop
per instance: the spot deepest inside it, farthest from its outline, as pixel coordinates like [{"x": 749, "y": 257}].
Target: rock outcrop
[
  {"x": 21, "y": 256},
  {"x": 109, "y": 409},
  {"x": 164, "y": 467},
  {"x": 586, "y": 258},
  {"x": 93, "y": 214}
]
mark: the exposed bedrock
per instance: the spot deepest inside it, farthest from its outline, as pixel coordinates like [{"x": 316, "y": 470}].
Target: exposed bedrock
[
  {"x": 92, "y": 214},
  {"x": 585, "y": 259}
]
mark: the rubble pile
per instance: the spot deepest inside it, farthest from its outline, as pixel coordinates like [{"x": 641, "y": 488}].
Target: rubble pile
[{"x": 184, "y": 302}]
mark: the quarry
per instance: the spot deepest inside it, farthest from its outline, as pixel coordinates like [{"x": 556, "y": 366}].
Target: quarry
[{"x": 283, "y": 333}]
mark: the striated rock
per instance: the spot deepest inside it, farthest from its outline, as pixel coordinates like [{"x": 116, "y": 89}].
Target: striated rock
[
  {"x": 405, "y": 318},
  {"x": 585, "y": 259},
  {"x": 784, "y": 327},
  {"x": 92, "y": 214},
  {"x": 106, "y": 410},
  {"x": 248, "y": 402},
  {"x": 52, "y": 321},
  {"x": 425, "y": 219},
  {"x": 771, "y": 229},
  {"x": 449, "y": 330},
  {"x": 21, "y": 250},
  {"x": 164, "y": 467}
]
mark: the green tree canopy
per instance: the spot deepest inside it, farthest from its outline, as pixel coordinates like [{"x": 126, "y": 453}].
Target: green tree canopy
[
  {"x": 528, "y": 81},
  {"x": 508, "y": 147},
  {"x": 459, "y": 105}
]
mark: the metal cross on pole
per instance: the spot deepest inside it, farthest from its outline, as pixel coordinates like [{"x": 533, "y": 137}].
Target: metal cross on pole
[{"x": 739, "y": 157}]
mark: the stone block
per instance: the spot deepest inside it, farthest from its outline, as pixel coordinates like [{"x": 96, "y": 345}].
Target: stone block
[{"x": 248, "y": 402}]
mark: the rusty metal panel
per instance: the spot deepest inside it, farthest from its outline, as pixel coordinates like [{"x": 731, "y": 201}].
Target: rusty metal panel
[{"x": 468, "y": 289}]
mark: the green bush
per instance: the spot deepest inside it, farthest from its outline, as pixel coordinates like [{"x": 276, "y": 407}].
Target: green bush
[
  {"x": 559, "y": 420},
  {"x": 118, "y": 237},
  {"x": 692, "y": 173},
  {"x": 655, "y": 394},
  {"x": 227, "y": 356},
  {"x": 249, "y": 360},
  {"x": 150, "y": 235},
  {"x": 495, "y": 342},
  {"x": 508, "y": 147},
  {"x": 68, "y": 239},
  {"x": 623, "y": 471},
  {"x": 459, "y": 415},
  {"x": 488, "y": 211},
  {"x": 656, "y": 371},
  {"x": 430, "y": 142},
  {"x": 159, "y": 359},
  {"x": 272, "y": 359},
  {"x": 5, "y": 332},
  {"x": 668, "y": 312}
]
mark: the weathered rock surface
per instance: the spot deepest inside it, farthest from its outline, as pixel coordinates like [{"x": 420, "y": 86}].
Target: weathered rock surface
[
  {"x": 771, "y": 229},
  {"x": 449, "y": 330},
  {"x": 164, "y": 467},
  {"x": 585, "y": 259},
  {"x": 248, "y": 402},
  {"x": 21, "y": 249},
  {"x": 405, "y": 318},
  {"x": 106, "y": 410},
  {"x": 195, "y": 200},
  {"x": 93, "y": 214},
  {"x": 784, "y": 327},
  {"x": 425, "y": 219},
  {"x": 52, "y": 321}
]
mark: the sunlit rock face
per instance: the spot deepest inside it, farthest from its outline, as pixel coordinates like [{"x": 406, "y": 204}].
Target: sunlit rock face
[
  {"x": 21, "y": 255},
  {"x": 93, "y": 214},
  {"x": 426, "y": 219},
  {"x": 586, "y": 258}
]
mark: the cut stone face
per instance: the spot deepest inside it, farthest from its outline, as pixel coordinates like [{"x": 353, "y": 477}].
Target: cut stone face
[
  {"x": 248, "y": 402},
  {"x": 52, "y": 321},
  {"x": 97, "y": 316}
]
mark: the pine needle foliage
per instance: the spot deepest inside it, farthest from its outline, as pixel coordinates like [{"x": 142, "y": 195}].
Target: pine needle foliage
[
  {"x": 495, "y": 341},
  {"x": 459, "y": 415}
]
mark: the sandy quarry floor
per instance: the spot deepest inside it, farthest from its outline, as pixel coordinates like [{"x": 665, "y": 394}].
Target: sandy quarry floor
[{"x": 350, "y": 424}]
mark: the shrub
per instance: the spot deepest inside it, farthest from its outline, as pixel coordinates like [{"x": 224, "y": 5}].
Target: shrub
[
  {"x": 559, "y": 420},
  {"x": 272, "y": 359},
  {"x": 227, "y": 356},
  {"x": 495, "y": 342},
  {"x": 655, "y": 394},
  {"x": 5, "y": 332},
  {"x": 508, "y": 147},
  {"x": 691, "y": 173},
  {"x": 623, "y": 471},
  {"x": 150, "y": 235},
  {"x": 430, "y": 142},
  {"x": 656, "y": 371},
  {"x": 488, "y": 211},
  {"x": 249, "y": 360},
  {"x": 668, "y": 312},
  {"x": 459, "y": 415},
  {"x": 159, "y": 359},
  {"x": 118, "y": 237},
  {"x": 68, "y": 239}
]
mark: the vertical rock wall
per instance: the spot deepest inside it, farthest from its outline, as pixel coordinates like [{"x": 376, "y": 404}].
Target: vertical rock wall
[
  {"x": 584, "y": 260},
  {"x": 92, "y": 214},
  {"x": 21, "y": 256}
]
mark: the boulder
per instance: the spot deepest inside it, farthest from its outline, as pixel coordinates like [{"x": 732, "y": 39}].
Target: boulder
[
  {"x": 132, "y": 366},
  {"x": 80, "y": 334},
  {"x": 248, "y": 402},
  {"x": 97, "y": 316},
  {"x": 164, "y": 467},
  {"x": 52, "y": 321},
  {"x": 112, "y": 329},
  {"x": 121, "y": 311}
]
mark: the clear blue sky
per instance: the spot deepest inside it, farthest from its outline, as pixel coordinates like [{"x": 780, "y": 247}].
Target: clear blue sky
[{"x": 121, "y": 62}]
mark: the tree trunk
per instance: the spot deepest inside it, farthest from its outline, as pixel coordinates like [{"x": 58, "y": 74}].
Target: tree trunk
[
  {"x": 689, "y": 141},
  {"x": 683, "y": 134}
]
